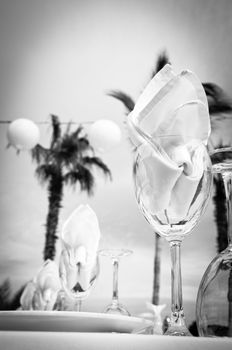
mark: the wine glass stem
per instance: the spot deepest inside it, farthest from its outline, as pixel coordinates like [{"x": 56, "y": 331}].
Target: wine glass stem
[
  {"x": 176, "y": 282},
  {"x": 115, "y": 281},
  {"x": 78, "y": 305},
  {"x": 227, "y": 179}
]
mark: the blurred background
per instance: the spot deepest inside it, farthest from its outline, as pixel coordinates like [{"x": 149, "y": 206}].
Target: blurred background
[{"x": 62, "y": 57}]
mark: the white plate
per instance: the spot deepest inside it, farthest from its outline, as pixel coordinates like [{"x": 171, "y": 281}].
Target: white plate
[{"x": 68, "y": 321}]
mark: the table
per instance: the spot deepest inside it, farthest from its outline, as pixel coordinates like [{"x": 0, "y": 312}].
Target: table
[{"x": 24, "y": 340}]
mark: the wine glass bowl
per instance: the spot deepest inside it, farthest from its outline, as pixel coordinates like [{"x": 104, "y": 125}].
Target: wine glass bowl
[
  {"x": 213, "y": 306},
  {"x": 172, "y": 186},
  {"x": 214, "y": 299},
  {"x": 77, "y": 280},
  {"x": 169, "y": 223}
]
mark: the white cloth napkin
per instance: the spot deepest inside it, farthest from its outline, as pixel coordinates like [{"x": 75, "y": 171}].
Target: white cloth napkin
[
  {"x": 41, "y": 292},
  {"x": 172, "y": 104},
  {"x": 169, "y": 120},
  {"x": 80, "y": 238}
]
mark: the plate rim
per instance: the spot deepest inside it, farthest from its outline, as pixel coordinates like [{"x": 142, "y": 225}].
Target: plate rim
[
  {"x": 77, "y": 314},
  {"x": 127, "y": 322}
]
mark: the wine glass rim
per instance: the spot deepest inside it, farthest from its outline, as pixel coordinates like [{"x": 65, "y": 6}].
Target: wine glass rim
[{"x": 123, "y": 251}]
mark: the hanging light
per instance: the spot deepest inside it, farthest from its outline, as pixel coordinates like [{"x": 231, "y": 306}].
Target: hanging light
[
  {"x": 104, "y": 135},
  {"x": 23, "y": 134}
]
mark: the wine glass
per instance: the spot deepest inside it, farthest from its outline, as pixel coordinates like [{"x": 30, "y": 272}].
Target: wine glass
[
  {"x": 77, "y": 280},
  {"x": 115, "y": 255},
  {"x": 214, "y": 299},
  {"x": 155, "y": 186}
]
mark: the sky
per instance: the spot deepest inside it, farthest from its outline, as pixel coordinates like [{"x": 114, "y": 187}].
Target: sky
[{"x": 61, "y": 57}]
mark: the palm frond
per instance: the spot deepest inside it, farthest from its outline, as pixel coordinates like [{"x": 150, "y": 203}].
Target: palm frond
[
  {"x": 217, "y": 100},
  {"x": 75, "y": 142},
  {"x": 77, "y": 132},
  {"x": 40, "y": 153},
  {"x": 68, "y": 128},
  {"x": 56, "y": 130},
  {"x": 68, "y": 149},
  {"x": 84, "y": 145},
  {"x": 86, "y": 180},
  {"x": 71, "y": 178},
  {"x": 124, "y": 98},
  {"x": 96, "y": 161},
  {"x": 72, "y": 149},
  {"x": 80, "y": 175},
  {"x": 160, "y": 63},
  {"x": 45, "y": 171},
  {"x": 128, "y": 102}
]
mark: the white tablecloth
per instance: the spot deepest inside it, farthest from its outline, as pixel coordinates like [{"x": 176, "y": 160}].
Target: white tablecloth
[{"x": 20, "y": 340}]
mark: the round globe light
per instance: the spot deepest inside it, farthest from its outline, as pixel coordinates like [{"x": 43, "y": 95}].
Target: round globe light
[
  {"x": 23, "y": 134},
  {"x": 104, "y": 135}
]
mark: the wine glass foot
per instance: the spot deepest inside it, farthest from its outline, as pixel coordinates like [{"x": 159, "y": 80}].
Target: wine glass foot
[
  {"x": 117, "y": 309},
  {"x": 178, "y": 331},
  {"x": 177, "y": 327}
]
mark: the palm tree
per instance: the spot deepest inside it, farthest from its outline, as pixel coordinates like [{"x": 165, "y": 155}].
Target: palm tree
[
  {"x": 218, "y": 104},
  {"x": 220, "y": 213},
  {"x": 69, "y": 160}
]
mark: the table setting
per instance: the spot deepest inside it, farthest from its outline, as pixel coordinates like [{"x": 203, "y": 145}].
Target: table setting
[{"x": 172, "y": 175}]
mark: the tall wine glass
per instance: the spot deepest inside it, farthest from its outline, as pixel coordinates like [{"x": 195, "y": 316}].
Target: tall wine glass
[
  {"x": 175, "y": 221},
  {"x": 214, "y": 299},
  {"x": 76, "y": 280},
  {"x": 115, "y": 255}
]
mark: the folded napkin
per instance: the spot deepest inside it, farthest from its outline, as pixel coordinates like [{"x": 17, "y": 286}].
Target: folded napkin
[
  {"x": 169, "y": 122},
  {"x": 27, "y": 297},
  {"x": 41, "y": 293},
  {"x": 171, "y": 104},
  {"x": 80, "y": 238}
]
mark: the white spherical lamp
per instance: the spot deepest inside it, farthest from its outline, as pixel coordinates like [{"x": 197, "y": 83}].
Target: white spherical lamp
[
  {"x": 23, "y": 134},
  {"x": 104, "y": 135}
]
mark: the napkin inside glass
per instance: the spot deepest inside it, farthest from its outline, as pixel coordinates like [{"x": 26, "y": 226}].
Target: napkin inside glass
[
  {"x": 167, "y": 125},
  {"x": 80, "y": 238}
]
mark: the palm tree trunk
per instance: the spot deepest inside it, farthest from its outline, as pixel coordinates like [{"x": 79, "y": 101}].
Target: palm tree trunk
[
  {"x": 220, "y": 213},
  {"x": 55, "y": 194},
  {"x": 156, "y": 270}
]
